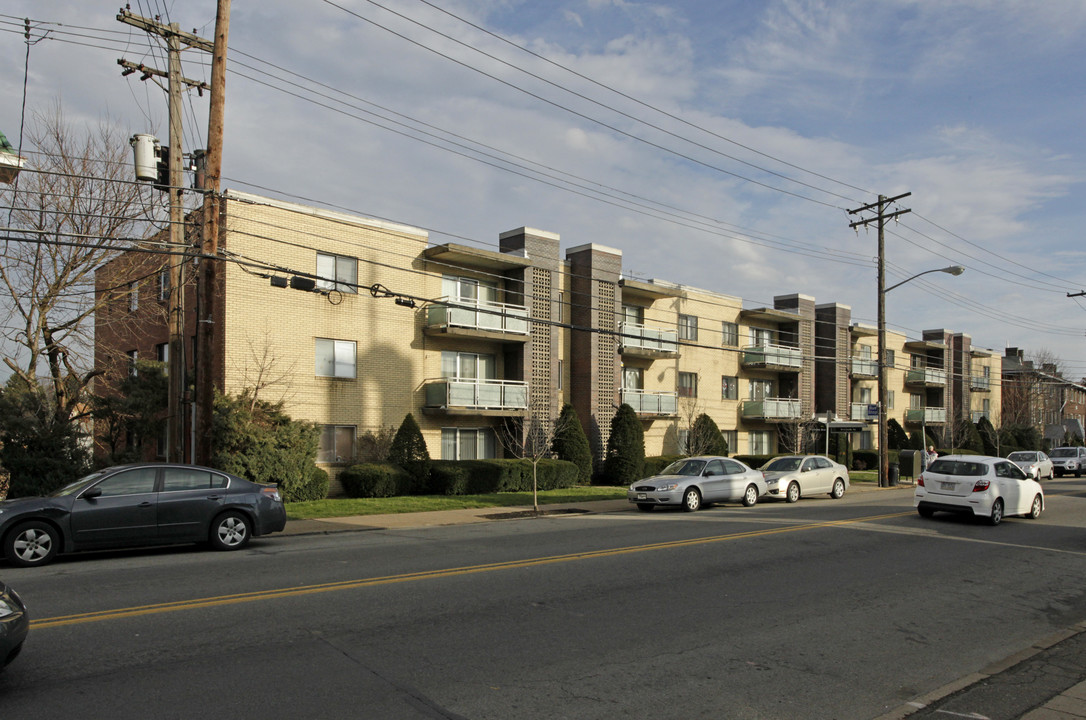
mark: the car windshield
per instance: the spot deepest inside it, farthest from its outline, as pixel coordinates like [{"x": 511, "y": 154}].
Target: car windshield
[
  {"x": 1063, "y": 452},
  {"x": 784, "y": 464},
  {"x": 75, "y": 487},
  {"x": 958, "y": 467},
  {"x": 684, "y": 467},
  {"x": 1022, "y": 456}
]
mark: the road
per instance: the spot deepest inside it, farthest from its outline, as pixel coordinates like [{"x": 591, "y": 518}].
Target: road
[{"x": 822, "y": 609}]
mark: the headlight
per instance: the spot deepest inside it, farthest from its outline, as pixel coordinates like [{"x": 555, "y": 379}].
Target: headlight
[
  {"x": 7, "y": 607},
  {"x": 669, "y": 486}
]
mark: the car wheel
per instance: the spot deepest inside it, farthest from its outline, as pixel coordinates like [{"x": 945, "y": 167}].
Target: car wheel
[
  {"x": 1035, "y": 508},
  {"x": 230, "y": 531},
  {"x": 750, "y": 497},
  {"x": 31, "y": 544},
  {"x": 691, "y": 500},
  {"x": 1078, "y": 472},
  {"x": 925, "y": 512},
  {"x": 645, "y": 507},
  {"x": 997, "y": 513},
  {"x": 793, "y": 492},
  {"x": 838, "y": 489}
]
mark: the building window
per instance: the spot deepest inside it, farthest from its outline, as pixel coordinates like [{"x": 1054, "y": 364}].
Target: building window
[
  {"x": 866, "y": 440},
  {"x": 688, "y": 327},
  {"x": 732, "y": 438},
  {"x": 133, "y": 356},
  {"x": 633, "y": 378},
  {"x": 758, "y": 441},
  {"x": 162, "y": 354},
  {"x": 560, "y": 371},
  {"x": 467, "y": 366},
  {"x": 467, "y": 444},
  {"x": 864, "y": 395},
  {"x": 729, "y": 334},
  {"x": 469, "y": 290},
  {"x": 890, "y": 399},
  {"x": 761, "y": 337},
  {"x": 684, "y": 441},
  {"x": 335, "y": 358},
  {"x": 986, "y": 407},
  {"x": 133, "y": 297},
  {"x": 760, "y": 389},
  {"x": 337, "y": 443},
  {"x": 633, "y": 314},
  {"x": 337, "y": 272},
  {"x": 729, "y": 387},
  {"x": 916, "y": 401},
  {"x": 164, "y": 284},
  {"x": 688, "y": 384},
  {"x": 890, "y": 359}
]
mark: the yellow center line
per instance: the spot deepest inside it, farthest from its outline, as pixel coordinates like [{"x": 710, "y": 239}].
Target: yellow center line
[{"x": 221, "y": 600}]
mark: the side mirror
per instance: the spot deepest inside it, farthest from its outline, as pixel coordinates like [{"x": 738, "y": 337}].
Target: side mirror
[{"x": 92, "y": 493}]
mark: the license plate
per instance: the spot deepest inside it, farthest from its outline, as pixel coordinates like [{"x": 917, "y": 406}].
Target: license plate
[
  {"x": 642, "y": 496},
  {"x": 947, "y": 486}
]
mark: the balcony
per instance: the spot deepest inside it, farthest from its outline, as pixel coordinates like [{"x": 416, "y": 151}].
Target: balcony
[
  {"x": 653, "y": 404},
  {"x": 927, "y": 377},
  {"x": 449, "y": 396},
  {"x": 926, "y": 416},
  {"x": 865, "y": 368},
  {"x": 773, "y": 357},
  {"x": 495, "y": 321},
  {"x": 858, "y": 412},
  {"x": 980, "y": 383},
  {"x": 642, "y": 341},
  {"x": 771, "y": 409}
]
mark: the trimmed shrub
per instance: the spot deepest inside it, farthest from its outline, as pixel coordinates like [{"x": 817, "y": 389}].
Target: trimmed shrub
[
  {"x": 314, "y": 488},
  {"x": 409, "y": 451},
  {"x": 706, "y": 438},
  {"x": 448, "y": 477},
  {"x": 898, "y": 438},
  {"x": 988, "y": 436},
  {"x": 625, "y": 449},
  {"x": 375, "y": 480},
  {"x": 570, "y": 443},
  {"x": 481, "y": 477}
]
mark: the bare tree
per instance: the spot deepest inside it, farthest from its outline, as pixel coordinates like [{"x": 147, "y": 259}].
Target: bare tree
[
  {"x": 531, "y": 437},
  {"x": 264, "y": 371},
  {"x": 73, "y": 209}
]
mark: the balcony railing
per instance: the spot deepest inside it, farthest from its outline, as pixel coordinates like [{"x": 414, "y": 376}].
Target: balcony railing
[
  {"x": 865, "y": 367},
  {"x": 638, "y": 337},
  {"x": 980, "y": 382},
  {"x": 477, "y": 394},
  {"x": 496, "y": 317},
  {"x": 773, "y": 356},
  {"x": 771, "y": 409},
  {"x": 925, "y": 376},
  {"x": 927, "y": 415},
  {"x": 651, "y": 403},
  {"x": 858, "y": 412}
]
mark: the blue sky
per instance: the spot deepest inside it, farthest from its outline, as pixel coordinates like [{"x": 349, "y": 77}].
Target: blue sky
[{"x": 749, "y": 128}]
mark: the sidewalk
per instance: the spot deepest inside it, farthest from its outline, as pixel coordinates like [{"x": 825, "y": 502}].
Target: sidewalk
[{"x": 1065, "y": 704}]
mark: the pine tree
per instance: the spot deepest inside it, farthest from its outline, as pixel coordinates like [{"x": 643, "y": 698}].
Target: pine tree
[
  {"x": 570, "y": 443},
  {"x": 625, "y": 448},
  {"x": 409, "y": 452},
  {"x": 706, "y": 438}
]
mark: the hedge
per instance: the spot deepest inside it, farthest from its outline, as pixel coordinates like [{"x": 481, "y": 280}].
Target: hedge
[
  {"x": 375, "y": 480},
  {"x": 477, "y": 477}
]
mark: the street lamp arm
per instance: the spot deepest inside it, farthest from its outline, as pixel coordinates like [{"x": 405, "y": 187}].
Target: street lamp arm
[{"x": 952, "y": 270}]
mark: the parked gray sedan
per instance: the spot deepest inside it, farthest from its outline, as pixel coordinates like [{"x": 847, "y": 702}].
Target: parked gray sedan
[
  {"x": 14, "y": 624},
  {"x": 698, "y": 481}
]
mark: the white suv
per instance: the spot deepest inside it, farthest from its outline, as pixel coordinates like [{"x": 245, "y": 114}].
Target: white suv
[{"x": 1067, "y": 460}]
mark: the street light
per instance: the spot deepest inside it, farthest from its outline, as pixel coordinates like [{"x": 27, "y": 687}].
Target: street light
[{"x": 884, "y": 456}]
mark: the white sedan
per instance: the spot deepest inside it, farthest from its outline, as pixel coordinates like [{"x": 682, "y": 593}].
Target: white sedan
[
  {"x": 1034, "y": 463},
  {"x": 988, "y": 487},
  {"x": 794, "y": 476}
]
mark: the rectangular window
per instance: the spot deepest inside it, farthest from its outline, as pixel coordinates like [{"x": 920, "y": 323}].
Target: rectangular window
[
  {"x": 162, "y": 354},
  {"x": 688, "y": 327},
  {"x": 337, "y": 444},
  {"x": 732, "y": 438},
  {"x": 337, "y": 272},
  {"x": 890, "y": 399},
  {"x": 467, "y": 366},
  {"x": 890, "y": 359},
  {"x": 759, "y": 442},
  {"x": 866, "y": 440},
  {"x": 916, "y": 401},
  {"x": 729, "y": 334},
  {"x": 633, "y": 378},
  {"x": 560, "y": 371},
  {"x": 133, "y": 297},
  {"x": 684, "y": 441},
  {"x": 729, "y": 387},
  {"x": 633, "y": 314},
  {"x": 335, "y": 358},
  {"x": 133, "y": 356},
  {"x": 760, "y": 389},
  {"x": 688, "y": 384},
  {"x": 761, "y": 337},
  {"x": 164, "y": 284},
  {"x": 865, "y": 395},
  {"x": 986, "y": 406},
  {"x": 467, "y": 444},
  {"x": 469, "y": 291}
]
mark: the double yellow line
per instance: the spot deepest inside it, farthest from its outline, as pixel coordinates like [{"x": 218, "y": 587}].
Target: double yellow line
[{"x": 119, "y": 613}]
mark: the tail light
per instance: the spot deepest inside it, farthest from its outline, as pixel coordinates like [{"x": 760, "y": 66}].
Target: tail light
[
  {"x": 920, "y": 480},
  {"x": 272, "y": 492},
  {"x": 982, "y": 485}
]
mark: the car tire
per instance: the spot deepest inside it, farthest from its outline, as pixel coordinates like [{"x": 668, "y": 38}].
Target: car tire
[
  {"x": 838, "y": 491},
  {"x": 792, "y": 494},
  {"x": 1078, "y": 472},
  {"x": 230, "y": 531},
  {"x": 31, "y": 544},
  {"x": 645, "y": 507},
  {"x": 691, "y": 500},
  {"x": 1035, "y": 508},
  {"x": 997, "y": 513},
  {"x": 925, "y": 512},
  {"x": 750, "y": 497}
]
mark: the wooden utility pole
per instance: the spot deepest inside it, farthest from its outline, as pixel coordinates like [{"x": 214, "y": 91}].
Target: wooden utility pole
[
  {"x": 208, "y": 301},
  {"x": 175, "y": 310},
  {"x": 881, "y": 217}
]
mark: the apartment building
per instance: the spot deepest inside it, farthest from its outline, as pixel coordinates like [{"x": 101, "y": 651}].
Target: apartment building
[
  {"x": 1042, "y": 397},
  {"x": 353, "y": 322}
]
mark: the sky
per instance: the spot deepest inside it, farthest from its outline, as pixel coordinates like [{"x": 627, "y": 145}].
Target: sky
[{"x": 717, "y": 143}]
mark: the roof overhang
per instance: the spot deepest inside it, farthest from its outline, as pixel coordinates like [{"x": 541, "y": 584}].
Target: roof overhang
[
  {"x": 470, "y": 257},
  {"x": 924, "y": 345},
  {"x": 769, "y": 315},
  {"x": 649, "y": 290},
  {"x": 859, "y": 330}
]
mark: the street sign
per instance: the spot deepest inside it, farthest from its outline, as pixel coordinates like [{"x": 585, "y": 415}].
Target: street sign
[{"x": 872, "y": 411}]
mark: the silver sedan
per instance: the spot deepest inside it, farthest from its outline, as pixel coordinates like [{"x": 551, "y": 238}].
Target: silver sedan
[
  {"x": 698, "y": 481},
  {"x": 794, "y": 476}
]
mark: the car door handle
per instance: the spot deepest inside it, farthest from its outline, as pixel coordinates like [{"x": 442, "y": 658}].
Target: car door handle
[
  {"x": 145, "y": 503},
  {"x": 214, "y": 497}
]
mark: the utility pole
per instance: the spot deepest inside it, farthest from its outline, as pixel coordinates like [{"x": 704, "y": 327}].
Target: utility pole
[
  {"x": 880, "y": 218},
  {"x": 175, "y": 309},
  {"x": 208, "y": 301}
]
